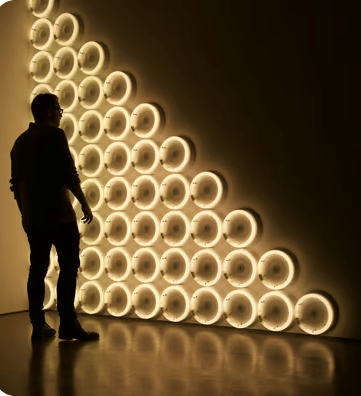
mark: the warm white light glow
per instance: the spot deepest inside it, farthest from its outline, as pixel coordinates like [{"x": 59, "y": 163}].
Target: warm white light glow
[
  {"x": 117, "y": 264},
  {"x": 91, "y": 58},
  {"x": 69, "y": 125},
  {"x": 91, "y": 92},
  {"x": 240, "y": 228},
  {"x": 117, "y": 193},
  {"x": 117, "y": 88},
  {"x": 145, "y": 192},
  {"x": 206, "y": 305},
  {"x": 206, "y": 228},
  {"x": 175, "y": 228},
  {"x": 276, "y": 269},
  {"x": 206, "y": 190},
  {"x": 92, "y": 233},
  {"x": 66, "y": 63},
  {"x": 240, "y": 268},
  {"x": 117, "y": 158},
  {"x": 175, "y": 303},
  {"x": 91, "y": 160},
  {"x": 275, "y": 311},
  {"x": 41, "y": 88},
  {"x": 174, "y": 191},
  {"x": 174, "y": 266},
  {"x": 314, "y": 313},
  {"x": 41, "y": 8},
  {"x": 145, "y": 228},
  {"x": 118, "y": 299},
  {"x": 206, "y": 267},
  {"x": 51, "y": 291},
  {"x": 240, "y": 309},
  {"x": 67, "y": 92},
  {"x": 117, "y": 123},
  {"x": 42, "y": 34},
  {"x": 146, "y": 301},
  {"x": 145, "y": 265},
  {"x": 145, "y": 120},
  {"x": 91, "y": 297},
  {"x": 117, "y": 228},
  {"x": 41, "y": 67},
  {"x": 66, "y": 29},
  {"x": 93, "y": 192},
  {"x": 145, "y": 157},
  {"x": 91, "y": 263},
  {"x": 91, "y": 126},
  {"x": 174, "y": 154}
]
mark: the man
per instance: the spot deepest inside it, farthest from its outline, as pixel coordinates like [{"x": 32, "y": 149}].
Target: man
[{"x": 42, "y": 171}]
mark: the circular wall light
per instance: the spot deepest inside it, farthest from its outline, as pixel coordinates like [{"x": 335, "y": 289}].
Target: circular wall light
[
  {"x": 117, "y": 228},
  {"x": 91, "y": 92},
  {"x": 39, "y": 89},
  {"x": 92, "y": 233},
  {"x": 275, "y": 311},
  {"x": 91, "y": 126},
  {"x": 116, "y": 123},
  {"x": 91, "y": 160},
  {"x": 91, "y": 297},
  {"x": 66, "y": 63},
  {"x": 206, "y": 305},
  {"x": 240, "y": 309},
  {"x": 145, "y": 192},
  {"x": 145, "y": 120},
  {"x": 93, "y": 192},
  {"x": 118, "y": 88},
  {"x": 50, "y": 294},
  {"x": 41, "y": 34},
  {"x": 206, "y": 228},
  {"x": 175, "y": 154},
  {"x": 66, "y": 29},
  {"x": 175, "y": 304},
  {"x": 41, "y": 67},
  {"x": 239, "y": 228},
  {"x": 145, "y": 228},
  {"x": 206, "y": 190},
  {"x": 67, "y": 92},
  {"x": 146, "y": 301},
  {"x": 276, "y": 269},
  {"x": 174, "y": 266},
  {"x": 42, "y": 8},
  {"x": 145, "y": 157},
  {"x": 117, "y": 158},
  {"x": 145, "y": 265},
  {"x": 174, "y": 191},
  {"x": 240, "y": 268},
  {"x": 117, "y": 264},
  {"x": 92, "y": 58},
  {"x": 69, "y": 125},
  {"x": 206, "y": 267},
  {"x": 117, "y": 193},
  {"x": 118, "y": 299},
  {"x": 91, "y": 263},
  {"x": 314, "y": 313},
  {"x": 174, "y": 228}
]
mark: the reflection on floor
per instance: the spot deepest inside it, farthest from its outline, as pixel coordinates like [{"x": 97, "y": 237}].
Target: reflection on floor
[{"x": 138, "y": 357}]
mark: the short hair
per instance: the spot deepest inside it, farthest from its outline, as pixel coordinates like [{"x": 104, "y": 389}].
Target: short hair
[{"x": 41, "y": 103}]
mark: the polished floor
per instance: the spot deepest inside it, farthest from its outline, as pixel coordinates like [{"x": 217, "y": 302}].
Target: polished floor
[{"x": 138, "y": 357}]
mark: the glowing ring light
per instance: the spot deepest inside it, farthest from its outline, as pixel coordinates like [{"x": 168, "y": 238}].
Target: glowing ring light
[
  {"x": 117, "y": 88},
  {"x": 66, "y": 63},
  {"x": 174, "y": 191},
  {"x": 146, "y": 301},
  {"x": 67, "y": 92},
  {"x": 117, "y": 228},
  {"x": 117, "y": 193},
  {"x": 41, "y": 67},
  {"x": 239, "y": 228},
  {"x": 145, "y": 120},
  {"x": 91, "y": 126},
  {"x": 92, "y": 233},
  {"x": 117, "y": 264},
  {"x": 118, "y": 299},
  {"x": 41, "y": 8},
  {"x": 91, "y": 263},
  {"x": 39, "y": 89},
  {"x": 314, "y": 313},
  {"x": 42, "y": 34},
  {"x": 145, "y": 157},
  {"x": 206, "y": 190},
  {"x": 117, "y": 123},
  {"x": 91, "y": 297},
  {"x": 91, "y": 92},
  {"x": 66, "y": 29},
  {"x": 240, "y": 309},
  {"x": 117, "y": 158},
  {"x": 93, "y": 192},
  {"x": 206, "y": 305},
  {"x": 174, "y": 154},
  {"x": 275, "y": 311},
  {"x": 91, "y": 160},
  {"x": 91, "y": 58},
  {"x": 276, "y": 269},
  {"x": 206, "y": 267},
  {"x": 174, "y": 228},
  {"x": 74, "y": 155},
  {"x": 52, "y": 294},
  {"x": 175, "y": 304},
  {"x": 145, "y": 265},
  {"x": 206, "y": 228},
  {"x": 69, "y": 125},
  {"x": 145, "y": 192},
  {"x": 145, "y": 228},
  {"x": 240, "y": 268},
  {"x": 174, "y": 266}
]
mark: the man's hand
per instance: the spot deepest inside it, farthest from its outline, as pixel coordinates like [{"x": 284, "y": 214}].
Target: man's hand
[{"x": 88, "y": 215}]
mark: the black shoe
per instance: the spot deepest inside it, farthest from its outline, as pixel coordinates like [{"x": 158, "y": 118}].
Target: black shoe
[
  {"x": 42, "y": 331},
  {"x": 68, "y": 331}
]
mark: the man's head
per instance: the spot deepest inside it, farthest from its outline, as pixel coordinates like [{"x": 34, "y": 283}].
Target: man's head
[{"x": 46, "y": 109}]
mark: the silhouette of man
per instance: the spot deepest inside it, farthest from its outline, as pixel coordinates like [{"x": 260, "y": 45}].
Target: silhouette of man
[{"x": 42, "y": 172}]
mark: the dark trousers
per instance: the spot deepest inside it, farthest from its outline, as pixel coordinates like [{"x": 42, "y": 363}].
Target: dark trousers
[{"x": 65, "y": 237}]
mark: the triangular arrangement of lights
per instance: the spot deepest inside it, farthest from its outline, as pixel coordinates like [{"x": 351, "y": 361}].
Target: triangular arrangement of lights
[{"x": 141, "y": 197}]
